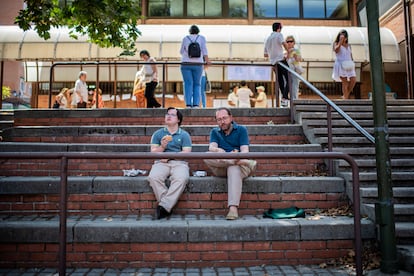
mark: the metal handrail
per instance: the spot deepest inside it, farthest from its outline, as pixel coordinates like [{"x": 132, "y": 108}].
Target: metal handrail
[
  {"x": 65, "y": 156},
  {"x": 330, "y": 103}
]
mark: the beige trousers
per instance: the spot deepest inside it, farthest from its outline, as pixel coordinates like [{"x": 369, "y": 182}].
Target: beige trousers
[
  {"x": 178, "y": 173},
  {"x": 235, "y": 175}
]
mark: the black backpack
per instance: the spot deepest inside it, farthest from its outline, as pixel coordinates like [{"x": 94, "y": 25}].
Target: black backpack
[{"x": 194, "y": 50}]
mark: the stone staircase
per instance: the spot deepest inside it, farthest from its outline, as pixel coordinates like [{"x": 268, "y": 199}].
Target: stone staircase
[
  {"x": 400, "y": 113},
  {"x": 111, "y": 217}
]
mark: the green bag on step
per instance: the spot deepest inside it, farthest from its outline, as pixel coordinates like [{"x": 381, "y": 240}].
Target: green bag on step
[{"x": 292, "y": 212}]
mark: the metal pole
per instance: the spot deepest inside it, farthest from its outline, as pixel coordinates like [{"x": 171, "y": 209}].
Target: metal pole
[
  {"x": 63, "y": 214},
  {"x": 1, "y": 83},
  {"x": 384, "y": 208},
  {"x": 408, "y": 46}
]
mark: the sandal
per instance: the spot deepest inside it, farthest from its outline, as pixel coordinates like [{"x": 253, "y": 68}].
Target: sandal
[{"x": 232, "y": 216}]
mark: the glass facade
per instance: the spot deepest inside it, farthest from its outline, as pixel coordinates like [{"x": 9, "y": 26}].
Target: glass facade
[
  {"x": 304, "y": 9},
  {"x": 197, "y": 8}
]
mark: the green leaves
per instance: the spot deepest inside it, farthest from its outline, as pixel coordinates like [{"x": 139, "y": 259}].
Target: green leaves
[{"x": 107, "y": 23}]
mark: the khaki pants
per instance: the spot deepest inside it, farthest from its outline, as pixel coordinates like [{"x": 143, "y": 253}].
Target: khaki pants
[
  {"x": 178, "y": 173},
  {"x": 235, "y": 175}
]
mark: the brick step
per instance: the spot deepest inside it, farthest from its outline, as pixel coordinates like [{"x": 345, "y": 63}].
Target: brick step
[
  {"x": 102, "y": 167},
  {"x": 258, "y": 134},
  {"x": 133, "y": 195},
  {"x": 154, "y": 116},
  {"x": 179, "y": 241}
]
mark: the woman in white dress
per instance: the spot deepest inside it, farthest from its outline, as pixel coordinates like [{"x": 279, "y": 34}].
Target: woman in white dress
[{"x": 344, "y": 68}]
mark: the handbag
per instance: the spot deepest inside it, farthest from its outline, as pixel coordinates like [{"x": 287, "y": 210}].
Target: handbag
[
  {"x": 348, "y": 65},
  {"x": 299, "y": 69}
]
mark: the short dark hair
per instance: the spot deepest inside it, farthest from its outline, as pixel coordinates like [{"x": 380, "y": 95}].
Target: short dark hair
[
  {"x": 194, "y": 29},
  {"x": 179, "y": 115},
  {"x": 243, "y": 83},
  {"x": 144, "y": 52},
  {"x": 224, "y": 108},
  {"x": 276, "y": 26}
]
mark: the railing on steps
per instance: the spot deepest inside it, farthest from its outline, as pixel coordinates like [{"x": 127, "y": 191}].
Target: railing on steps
[
  {"x": 65, "y": 156},
  {"x": 329, "y": 106}
]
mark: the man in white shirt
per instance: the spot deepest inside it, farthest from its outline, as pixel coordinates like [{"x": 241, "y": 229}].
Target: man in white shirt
[
  {"x": 81, "y": 90},
  {"x": 273, "y": 50}
]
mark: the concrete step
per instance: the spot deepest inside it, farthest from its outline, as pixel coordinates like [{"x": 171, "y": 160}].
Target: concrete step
[
  {"x": 154, "y": 116},
  {"x": 102, "y": 147},
  {"x": 404, "y": 141},
  {"x": 258, "y": 134},
  {"x": 370, "y": 164},
  {"x": 351, "y": 131},
  {"x": 363, "y": 117},
  {"x": 402, "y": 212},
  {"x": 102, "y": 167},
  {"x": 369, "y": 179},
  {"x": 179, "y": 241},
  {"x": 400, "y": 194},
  {"x": 359, "y": 152},
  {"x": 399, "y": 121}
]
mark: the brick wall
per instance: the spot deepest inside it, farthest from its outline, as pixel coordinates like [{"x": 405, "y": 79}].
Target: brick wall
[
  {"x": 110, "y": 204},
  {"x": 211, "y": 254}
]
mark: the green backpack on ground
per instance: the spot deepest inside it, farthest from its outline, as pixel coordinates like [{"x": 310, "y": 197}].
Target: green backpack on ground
[{"x": 292, "y": 212}]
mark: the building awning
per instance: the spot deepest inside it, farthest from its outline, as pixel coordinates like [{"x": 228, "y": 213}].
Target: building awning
[{"x": 224, "y": 42}]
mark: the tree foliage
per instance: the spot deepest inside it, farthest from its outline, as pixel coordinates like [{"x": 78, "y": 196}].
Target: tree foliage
[{"x": 107, "y": 23}]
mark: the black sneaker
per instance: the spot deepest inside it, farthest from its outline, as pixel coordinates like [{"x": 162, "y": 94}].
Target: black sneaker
[{"x": 162, "y": 213}]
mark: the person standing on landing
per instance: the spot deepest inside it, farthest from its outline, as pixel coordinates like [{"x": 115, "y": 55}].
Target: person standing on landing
[
  {"x": 192, "y": 67},
  {"x": 274, "y": 46},
  {"x": 342, "y": 73},
  {"x": 170, "y": 138},
  {"x": 149, "y": 75}
]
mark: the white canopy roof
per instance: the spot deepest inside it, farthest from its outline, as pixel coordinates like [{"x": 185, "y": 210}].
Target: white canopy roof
[{"x": 224, "y": 42}]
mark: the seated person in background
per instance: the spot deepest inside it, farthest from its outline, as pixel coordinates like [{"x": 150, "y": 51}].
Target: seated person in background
[
  {"x": 230, "y": 137},
  {"x": 170, "y": 138}
]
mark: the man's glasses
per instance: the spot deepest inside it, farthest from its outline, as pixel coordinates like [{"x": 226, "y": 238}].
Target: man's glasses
[
  {"x": 290, "y": 41},
  {"x": 225, "y": 118},
  {"x": 170, "y": 114}
]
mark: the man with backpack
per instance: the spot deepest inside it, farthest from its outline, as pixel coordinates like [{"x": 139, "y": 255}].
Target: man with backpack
[{"x": 193, "y": 55}]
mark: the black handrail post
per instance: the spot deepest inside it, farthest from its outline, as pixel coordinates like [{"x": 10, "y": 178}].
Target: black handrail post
[
  {"x": 330, "y": 142},
  {"x": 292, "y": 119},
  {"x": 276, "y": 84},
  {"x": 357, "y": 215},
  {"x": 63, "y": 214},
  {"x": 164, "y": 70}
]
